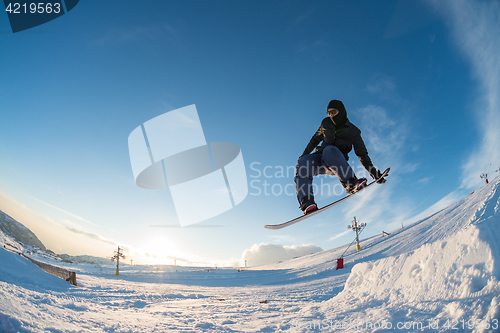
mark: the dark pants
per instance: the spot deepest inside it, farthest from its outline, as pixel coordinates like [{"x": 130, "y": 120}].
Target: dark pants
[{"x": 331, "y": 162}]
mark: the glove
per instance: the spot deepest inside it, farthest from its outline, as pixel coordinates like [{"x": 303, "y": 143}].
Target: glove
[{"x": 376, "y": 174}]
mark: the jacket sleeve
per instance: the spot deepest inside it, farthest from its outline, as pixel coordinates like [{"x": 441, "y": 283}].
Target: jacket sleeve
[
  {"x": 362, "y": 153},
  {"x": 315, "y": 140}
]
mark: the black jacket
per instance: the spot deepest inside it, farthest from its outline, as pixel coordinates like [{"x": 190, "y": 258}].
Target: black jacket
[{"x": 344, "y": 138}]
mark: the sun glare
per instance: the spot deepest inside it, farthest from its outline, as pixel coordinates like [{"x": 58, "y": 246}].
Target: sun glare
[{"x": 161, "y": 250}]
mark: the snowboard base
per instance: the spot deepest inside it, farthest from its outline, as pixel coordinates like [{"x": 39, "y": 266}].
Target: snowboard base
[{"x": 303, "y": 217}]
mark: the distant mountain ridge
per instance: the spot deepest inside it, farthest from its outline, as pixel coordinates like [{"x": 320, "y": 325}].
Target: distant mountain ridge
[
  {"x": 19, "y": 232},
  {"x": 85, "y": 259}
]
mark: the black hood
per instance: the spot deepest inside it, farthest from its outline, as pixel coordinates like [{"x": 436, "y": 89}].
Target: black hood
[{"x": 341, "y": 118}]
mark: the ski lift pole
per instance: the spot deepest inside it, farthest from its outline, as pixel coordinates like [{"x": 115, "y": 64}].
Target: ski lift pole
[
  {"x": 118, "y": 261},
  {"x": 357, "y": 227},
  {"x": 340, "y": 261},
  {"x": 485, "y": 177},
  {"x": 358, "y": 247},
  {"x": 117, "y": 256}
]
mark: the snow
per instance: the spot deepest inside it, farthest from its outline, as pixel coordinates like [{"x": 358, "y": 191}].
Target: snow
[
  {"x": 12, "y": 227},
  {"x": 439, "y": 274}
]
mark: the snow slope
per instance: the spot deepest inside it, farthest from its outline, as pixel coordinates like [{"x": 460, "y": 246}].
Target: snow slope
[
  {"x": 440, "y": 274},
  {"x": 11, "y": 227}
]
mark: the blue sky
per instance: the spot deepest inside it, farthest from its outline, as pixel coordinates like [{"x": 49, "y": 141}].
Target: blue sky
[{"x": 420, "y": 79}]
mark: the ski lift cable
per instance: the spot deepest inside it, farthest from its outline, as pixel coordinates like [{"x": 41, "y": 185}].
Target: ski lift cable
[{"x": 353, "y": 241}]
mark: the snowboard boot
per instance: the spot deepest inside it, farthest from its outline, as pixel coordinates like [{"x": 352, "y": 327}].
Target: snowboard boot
[
  {"x": 308, "y": 206},
  {"x": 354, "y": 184},
  {"x": 311, "y": 208}
]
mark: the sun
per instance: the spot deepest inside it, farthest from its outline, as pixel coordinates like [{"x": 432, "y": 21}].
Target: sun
[{"x": 161, "y": 250}]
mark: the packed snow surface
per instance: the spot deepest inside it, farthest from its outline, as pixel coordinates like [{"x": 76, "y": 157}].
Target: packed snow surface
[{"x": 440, "y": 274}]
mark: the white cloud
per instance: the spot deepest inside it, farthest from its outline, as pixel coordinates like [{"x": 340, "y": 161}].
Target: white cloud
[
  {"x": 425, "y": 180},
  {"x": 476, "y": 30},
  {"x": 384, "y": 87},
  {"x": 66, "y": 212},
  {"x": 386, "y": 139},
  {"x": 263, "y": 254},
  {"x": 342, "y": 234},
  {"x": 445, "y": 202},
  {"x": 134, "y": 34},
  {"x": 384, "y": 136},
  {"x": 91, "y": 235}
]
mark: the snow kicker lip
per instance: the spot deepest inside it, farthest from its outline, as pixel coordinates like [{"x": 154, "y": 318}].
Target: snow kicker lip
[{"x": 205, "y": 180}]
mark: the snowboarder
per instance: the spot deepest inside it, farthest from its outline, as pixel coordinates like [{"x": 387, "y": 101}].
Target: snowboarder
[{"x": 338, "y": 135}]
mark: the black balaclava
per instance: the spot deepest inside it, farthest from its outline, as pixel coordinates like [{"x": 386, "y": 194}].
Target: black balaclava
[{"x": 341, "y": 118}]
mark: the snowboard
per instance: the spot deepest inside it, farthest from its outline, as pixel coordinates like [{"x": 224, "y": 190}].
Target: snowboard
[{"x": 322, "y": 209}]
